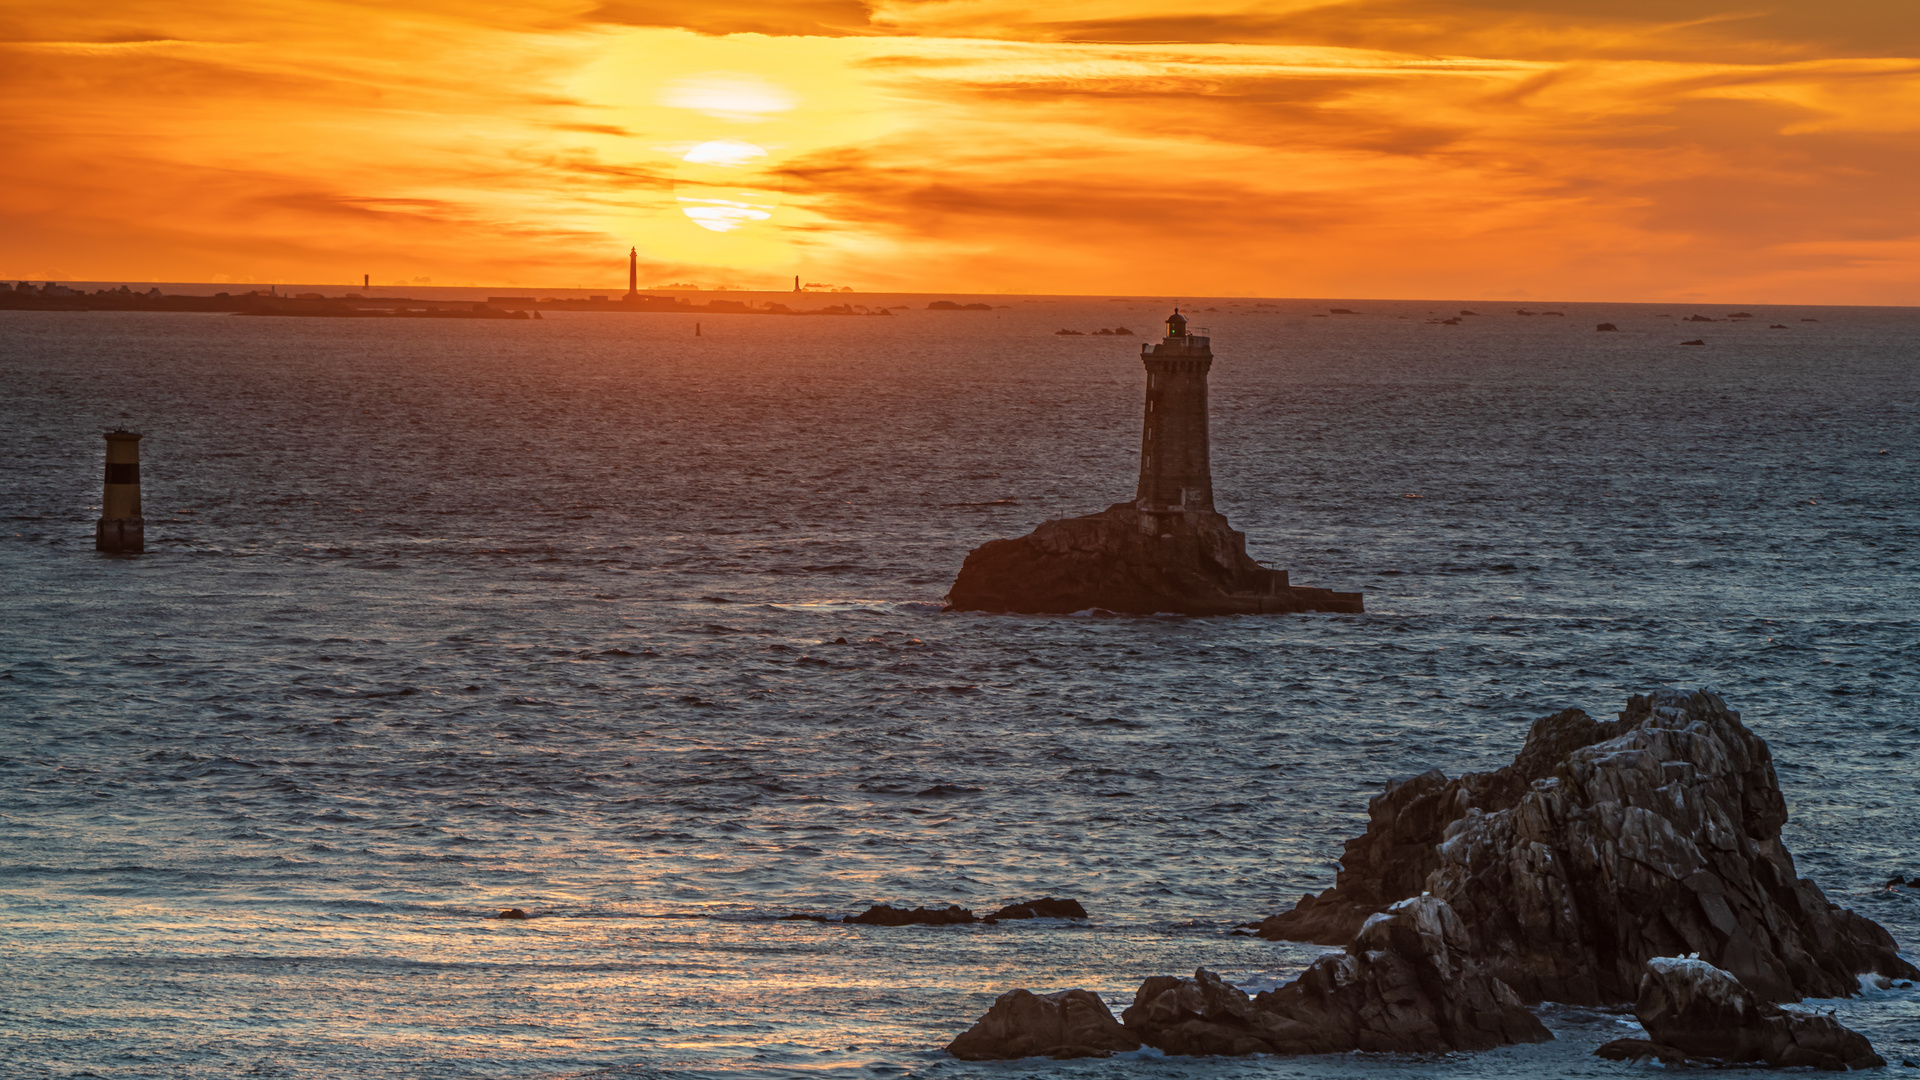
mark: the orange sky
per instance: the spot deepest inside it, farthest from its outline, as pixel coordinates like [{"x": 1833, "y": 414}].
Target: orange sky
[{"x": 1541, "y": 149}]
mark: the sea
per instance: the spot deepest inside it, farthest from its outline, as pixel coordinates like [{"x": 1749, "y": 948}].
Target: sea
[{"x": 641, "y": 632}]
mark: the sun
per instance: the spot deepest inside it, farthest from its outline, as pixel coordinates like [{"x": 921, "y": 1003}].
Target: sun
[{"x": 726, "y": 184}]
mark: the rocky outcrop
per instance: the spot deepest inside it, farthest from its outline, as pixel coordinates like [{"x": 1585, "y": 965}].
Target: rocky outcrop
[
  {"x": 1604, "y": 845},
  {"x": 1695, "y": 1013},
  {"x": 1133, "y": 562},
  {"x": 1407, "y": 983},
  {"x": 1021, "y": 1024},
  {"x": 1406, "y": 823}
]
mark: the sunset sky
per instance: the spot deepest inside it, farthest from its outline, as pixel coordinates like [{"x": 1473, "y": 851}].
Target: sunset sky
[{"x": 1716, "y": 150}]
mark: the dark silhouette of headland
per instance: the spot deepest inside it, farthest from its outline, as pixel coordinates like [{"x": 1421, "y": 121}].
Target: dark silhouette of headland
[
  {"x": 56, "y": 297},
  {"x": 1168, "y": 550}
]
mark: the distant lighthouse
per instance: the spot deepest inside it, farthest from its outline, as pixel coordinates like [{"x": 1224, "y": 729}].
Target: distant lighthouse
[
  {"x": 121, "y": 529},
  {"x": 633, "y": 273},
  {"x": 1175, "y": 471}
]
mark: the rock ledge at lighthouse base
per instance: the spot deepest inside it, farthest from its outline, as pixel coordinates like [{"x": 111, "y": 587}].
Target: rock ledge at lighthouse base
[{"x": 1136, "y": 562}]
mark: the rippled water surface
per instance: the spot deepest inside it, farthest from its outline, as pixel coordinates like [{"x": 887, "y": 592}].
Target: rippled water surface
[{"x": 641, "y": 632}]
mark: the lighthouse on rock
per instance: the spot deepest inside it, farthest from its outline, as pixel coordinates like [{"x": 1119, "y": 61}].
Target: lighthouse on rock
[
  {"x": 1168, "y": 550},
  {"x": 1175, "y": 474}
]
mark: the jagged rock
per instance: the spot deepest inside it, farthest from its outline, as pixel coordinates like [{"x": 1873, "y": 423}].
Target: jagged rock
[
  {"x": 1133, "y": 562},
  {"x": 886, "y": 915},
  {"x": 1662, "y": 840},
  {"x": 1406, "y": 822},
  {"x": 1203, "y": 1016},
  {"x": 1047, "y": 907},
  {"x": 1407, "y": 983},
  {"x": 1693, "y": 1009},
  {"x": 1606, "y": 844},
  {"x": 1067, "y": 1024}
]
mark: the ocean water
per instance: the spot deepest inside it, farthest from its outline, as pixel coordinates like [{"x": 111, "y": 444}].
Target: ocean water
[{"x": 642, "y": 633}]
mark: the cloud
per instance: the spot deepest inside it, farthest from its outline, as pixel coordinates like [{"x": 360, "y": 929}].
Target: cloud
[
  {"x": 805, "y": 18},
  {"x": 1287, "y": 170},
  {"x": 1696, "y": 30},
  {"x": 729, "y": 96}
]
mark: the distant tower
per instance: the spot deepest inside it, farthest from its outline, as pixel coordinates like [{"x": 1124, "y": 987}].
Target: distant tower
[
  {"x": 633, "y": 272},
  {"x": 121, "y": 529},
  {"x": 1175, "y": 472},
  {"x": 796, "y": 283}
]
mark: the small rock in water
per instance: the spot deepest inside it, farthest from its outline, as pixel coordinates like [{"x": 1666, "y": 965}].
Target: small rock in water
[
  {"x": 1640, "y": 1050},
  {"x": 511, "y": 913},
  {"x": 886, "y": 915},
  {"x": 1022, "y": 1024},
  {"x": 1706, "y": 1016},
  {"x": 1606, "y": 327},
  {"x": 1046, "y": 907}
]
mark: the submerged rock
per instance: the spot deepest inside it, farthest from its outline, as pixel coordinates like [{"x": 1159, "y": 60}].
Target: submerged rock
[
  {"x": 1605, "y": 845},
  {"x": 1696, "y": 1013},
  {"x": 1407, "y": 983},
  {"x": 1021, "y": 1024},
  {"x": 887, "y": 915},
  {"x": 1134, "y": 562}
]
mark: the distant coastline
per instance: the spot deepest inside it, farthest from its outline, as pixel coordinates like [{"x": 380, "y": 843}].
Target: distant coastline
[{"x": 358, "y": 305}]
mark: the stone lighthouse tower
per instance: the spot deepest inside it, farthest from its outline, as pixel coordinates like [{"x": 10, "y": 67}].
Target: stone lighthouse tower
[{"x": 1175, "y": 474}]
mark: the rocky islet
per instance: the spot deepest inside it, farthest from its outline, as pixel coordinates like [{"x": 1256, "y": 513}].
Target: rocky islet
[{"x": 1573, "y": 874}]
